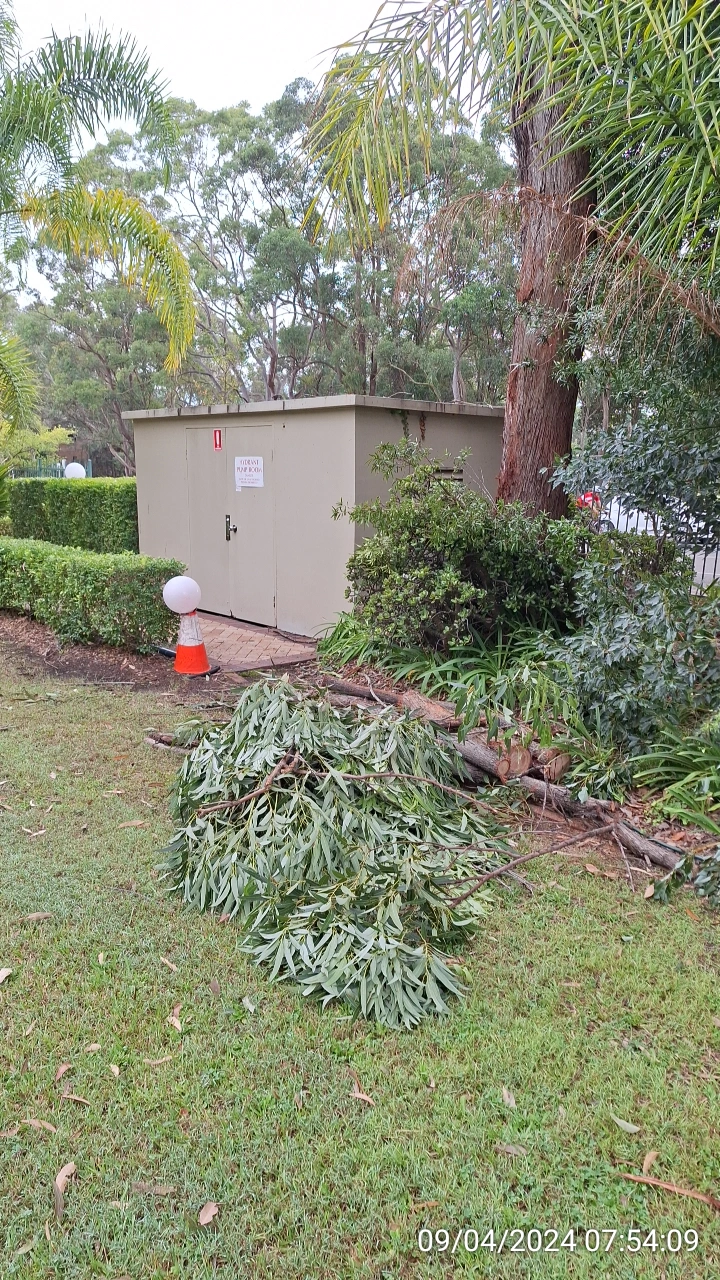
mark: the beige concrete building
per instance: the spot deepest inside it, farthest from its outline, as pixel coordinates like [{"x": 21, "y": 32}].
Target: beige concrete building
[{"x": 243, "y": 494}]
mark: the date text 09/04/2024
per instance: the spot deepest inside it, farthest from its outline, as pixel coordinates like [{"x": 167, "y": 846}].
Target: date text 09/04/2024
[{"x": 547, "y": 1240}]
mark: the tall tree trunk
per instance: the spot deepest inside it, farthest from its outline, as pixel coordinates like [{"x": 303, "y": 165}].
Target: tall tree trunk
[{"x": 539, "y": 409}]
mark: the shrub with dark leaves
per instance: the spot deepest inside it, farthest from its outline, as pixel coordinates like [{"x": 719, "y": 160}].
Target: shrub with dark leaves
[
  {"x": 644, "y": 657},
  {"x": 446, "y": 565}
]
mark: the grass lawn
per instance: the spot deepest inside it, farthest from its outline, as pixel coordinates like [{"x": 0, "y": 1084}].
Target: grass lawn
[{"x": 584, "y": 1001}]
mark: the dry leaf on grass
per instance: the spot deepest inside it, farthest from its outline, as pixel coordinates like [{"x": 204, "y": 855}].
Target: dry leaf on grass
[
  {"x": 359, "y": 1094},
  {"x": 248, "y": 1004},
  {"x": 42, "y": 1124},
  {"x": 157, "y": 1062},
  {"x": 62, "y": 1177},
  {"x": 64, "y": 1066},
  {"x": 207, "y": 1213},
  {"x": 592, "y": 869},
  {"x": 173, "y": 1020},
  {"x": 508, "y": 1098},
  {"x": 671, "y": 1186},
  {"x": 136, "y": 822},
  {"x": 29, "y": 1030},
  {"x": 625, "y": 1125},
  {"x": 33, "y": 834},
  {"x": 4, "y": 973},
  {"x": 510, "y": 1150},
  {"x": 152, "y": 1189},
  {"x": 74, "y": 1097},
  {"x": 115, "y": 1070},
  {"x": 47, "y": 1230},
  {"x": 25, "y": 1248},
  {"x": 716, "y": 1022},
  {"x": 92, "y": 1048},
  {"x": 649, "y": 1161},
  {"x": 649, "y": 891},
  {"x": 423, "y": 1204},
  {"x": 169, "y": 964},
  {"x": 36, "y": 916},
  {"x": 215, "y": 986}
]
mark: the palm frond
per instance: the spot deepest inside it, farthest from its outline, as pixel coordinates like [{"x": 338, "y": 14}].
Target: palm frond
[
  {"x": 33, "y": 131},
  {"x": 411, "y": 69},
  {"x": 18, "y": 385},
  {"x": 98, "y": 78},
  {"x": 112, "y": 224},
  {"x": 9, "y": 35},
  {"x": 609, "y": 265},
  {"x": 634, "y": 81}
]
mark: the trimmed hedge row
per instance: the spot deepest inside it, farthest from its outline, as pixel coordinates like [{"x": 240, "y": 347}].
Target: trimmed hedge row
[
  {"x": 96, "y": 515},
  {"x": 86, "y": 597}
]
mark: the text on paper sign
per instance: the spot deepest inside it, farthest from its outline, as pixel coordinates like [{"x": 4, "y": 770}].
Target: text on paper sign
[{"x": 248, "y": 473}]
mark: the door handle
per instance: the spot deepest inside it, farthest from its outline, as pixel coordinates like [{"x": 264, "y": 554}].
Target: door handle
[{"x": 229, "y": 528}]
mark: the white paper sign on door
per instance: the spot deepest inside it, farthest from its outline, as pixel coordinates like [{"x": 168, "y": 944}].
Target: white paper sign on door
[{"x": 248, "y": 473}]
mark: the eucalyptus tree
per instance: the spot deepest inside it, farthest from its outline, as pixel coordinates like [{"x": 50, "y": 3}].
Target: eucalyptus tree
[
  {"x": 49, "y": 101},
  {"x": 282, "y": 312},
  {"x": 613, "y": 113}
]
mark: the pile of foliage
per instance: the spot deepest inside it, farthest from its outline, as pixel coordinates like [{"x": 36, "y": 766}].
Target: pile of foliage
[
  {"x": 96, "y": 515},
  {"x": 86, "y": 597},
  {"x": 446, "y": 565},
  {"x": 339, "y": 840}
]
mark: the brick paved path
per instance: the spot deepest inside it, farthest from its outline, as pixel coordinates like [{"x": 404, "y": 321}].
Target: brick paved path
[{"x": 240, "y": 646}]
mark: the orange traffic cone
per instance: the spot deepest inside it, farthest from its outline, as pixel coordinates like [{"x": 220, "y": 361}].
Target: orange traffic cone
[{"x": 190, "y": 656}]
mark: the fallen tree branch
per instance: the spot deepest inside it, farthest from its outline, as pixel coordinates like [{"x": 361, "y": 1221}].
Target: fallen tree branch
[
  {"x": 362, "y": 691},
  {"x": 349, "y": 777},
  {"x": 484, "y": 758},
  {"x": 526, "y": 857},
  {"x": 288, "y": 764},
  {"x": 156, "y": 740}
]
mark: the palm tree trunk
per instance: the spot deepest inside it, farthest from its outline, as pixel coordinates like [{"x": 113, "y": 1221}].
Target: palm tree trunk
[{"x": 539, "y": 409}]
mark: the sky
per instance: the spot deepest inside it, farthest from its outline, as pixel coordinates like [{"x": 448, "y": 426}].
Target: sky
[{"x": 216, "y": 52}]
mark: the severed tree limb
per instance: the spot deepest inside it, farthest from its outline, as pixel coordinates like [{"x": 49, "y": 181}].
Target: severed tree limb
[
  {"x": 292, "y": 767},
  {"x": 527, "y": 857},
  {"x": 480, "y": 756}
]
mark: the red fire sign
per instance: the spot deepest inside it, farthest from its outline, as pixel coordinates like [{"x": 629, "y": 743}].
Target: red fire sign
[{"x": 217, "y": 439}]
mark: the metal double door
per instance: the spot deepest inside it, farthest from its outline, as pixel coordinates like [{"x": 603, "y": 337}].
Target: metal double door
[{"x": 232, "y": 520}]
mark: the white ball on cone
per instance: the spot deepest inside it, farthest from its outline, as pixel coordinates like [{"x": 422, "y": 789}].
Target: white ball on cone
[{"x": 182, "y": 594}]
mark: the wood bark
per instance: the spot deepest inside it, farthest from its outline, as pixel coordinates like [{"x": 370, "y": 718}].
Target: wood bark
[
  {"x": 479, "y": 756},
  {"x": 539, "y": 408}
]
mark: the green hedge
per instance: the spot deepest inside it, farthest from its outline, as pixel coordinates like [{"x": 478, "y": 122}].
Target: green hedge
[
  {"x": 96, "y": 515},
  {"x": 87, "y": 597}
]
